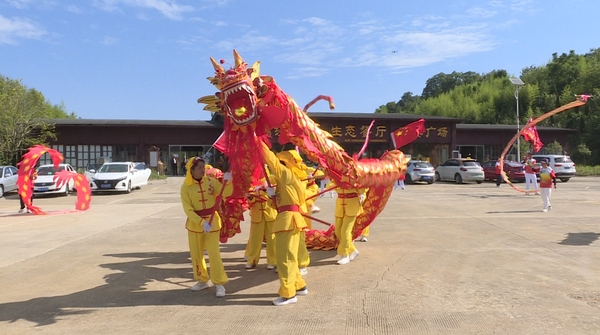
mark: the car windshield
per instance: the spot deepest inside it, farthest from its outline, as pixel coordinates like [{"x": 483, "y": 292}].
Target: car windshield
[
  {"x": 48, "y": 170},
  {"x": 422, "y": 165},
  {"x": 114, "y": 168}
]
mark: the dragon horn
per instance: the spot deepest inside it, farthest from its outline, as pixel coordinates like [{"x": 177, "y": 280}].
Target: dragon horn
[
  {"x": 238, "y": 59},
  {"x": 217, "y": 66}
]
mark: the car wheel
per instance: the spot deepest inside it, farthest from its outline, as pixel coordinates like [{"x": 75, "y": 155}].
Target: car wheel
[
  {"x": 458, "y": 178},
  {"x": 128, "y": 187},
  {"x": 564, "y": 180},
  {"x": 1, "y": 191},
  {"x": 430, "y": 182},
  {"x": 479, "y": 181},
  {"x": 437, "y": 176},
  {"x": 408, "y": 178}
]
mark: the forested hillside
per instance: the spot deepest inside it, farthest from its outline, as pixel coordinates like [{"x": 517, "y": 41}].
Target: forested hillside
[{"x": 490, "y": 98}]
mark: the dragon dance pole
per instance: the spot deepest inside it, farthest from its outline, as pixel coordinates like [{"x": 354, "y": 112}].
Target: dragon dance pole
[{"x": 318, "y": 220}]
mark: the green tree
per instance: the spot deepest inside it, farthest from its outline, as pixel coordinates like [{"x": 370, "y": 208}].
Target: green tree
[
  {"x": 582, "y": 152},
  {"x": 24, "y": 115},
  {"x": 553, "y": 148}
]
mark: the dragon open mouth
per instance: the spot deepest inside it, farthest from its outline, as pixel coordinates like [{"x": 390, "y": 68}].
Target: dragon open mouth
[{"x": 240, "y": 103}]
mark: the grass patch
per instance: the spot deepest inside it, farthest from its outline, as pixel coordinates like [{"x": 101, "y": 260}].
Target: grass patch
[
  {"x": 588, "y": 170},
  {"x": 155, "y": 176}
]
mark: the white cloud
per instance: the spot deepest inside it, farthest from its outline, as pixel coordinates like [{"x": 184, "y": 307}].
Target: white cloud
[
  {"x": 169, "y": 8},
  {"x": 74, "y": 9},
  {"x": 20, "y": 4},
  {"x": 107, "y": 40},
  {"x": 13, "y": 29}
]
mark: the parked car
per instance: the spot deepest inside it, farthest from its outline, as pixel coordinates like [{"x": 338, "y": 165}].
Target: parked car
[
  {"x": 420, "y": 171},
  {"x": 119, "y": 176},
  {"x": 515, "y": 171},
  {"x": 563, "y": 166},
  {"x": 8, "y": 179},
  {"x": 460, "y": 170},
  {"x": 46, "y": 184}
]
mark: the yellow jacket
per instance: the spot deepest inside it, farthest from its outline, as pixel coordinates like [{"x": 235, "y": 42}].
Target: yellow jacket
[
  {"x": 290, "y": 190},
  {"x": 261, "y": 207},
  {"x": 202, "y": 196}
]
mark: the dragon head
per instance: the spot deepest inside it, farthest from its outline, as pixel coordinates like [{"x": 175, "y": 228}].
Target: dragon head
[{"x": 236, "y": 96}]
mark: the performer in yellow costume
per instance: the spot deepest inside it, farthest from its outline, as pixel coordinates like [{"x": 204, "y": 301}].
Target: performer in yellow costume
[
  {"x": 262, "y": 215},
  {"x": 199, "y": 199},
  {"x": 311, "y": 189},
  {"x": 347, "y": 207},
  {"x": 288, "y": 172}
]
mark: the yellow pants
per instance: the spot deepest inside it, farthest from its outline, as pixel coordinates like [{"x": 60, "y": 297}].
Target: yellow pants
[
  {"x": 303, "y": 256},
  {"x": 258, "y": 230},
  {"x": 343, "y": 230},
  {"x": 209, "y": 241},
  {"x": 290, "y": 280},
  {"x": 365, "y": 231}
]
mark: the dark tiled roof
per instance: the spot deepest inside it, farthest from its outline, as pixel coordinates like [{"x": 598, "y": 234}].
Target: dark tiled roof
[
  {"x": 141, "y": 123},
  {"x": 502, "y": 127}
]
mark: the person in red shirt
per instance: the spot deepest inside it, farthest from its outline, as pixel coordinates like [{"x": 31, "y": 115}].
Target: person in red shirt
[
  {"x": 531, "y": 175},
  {"x": 547, "y": 179},
  {"x": 498, "y": 174}
]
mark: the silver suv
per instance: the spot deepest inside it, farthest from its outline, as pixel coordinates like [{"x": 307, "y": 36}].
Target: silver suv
[{"x": 563, "y": 166}]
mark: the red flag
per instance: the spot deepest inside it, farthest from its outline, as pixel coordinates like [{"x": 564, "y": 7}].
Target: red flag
[
  {"x": 404, "y": 135},
  {"x": 530, "y": 135},
  {"x": 221, "y": 143}
]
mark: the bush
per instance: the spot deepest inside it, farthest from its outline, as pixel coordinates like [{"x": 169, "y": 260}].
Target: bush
[
  {"x": 588, "y": 170},
  {"x": 155, "y": 176}
]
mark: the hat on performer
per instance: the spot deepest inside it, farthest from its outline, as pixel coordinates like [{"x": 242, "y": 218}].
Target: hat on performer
[{"x": 292, "y": 159}]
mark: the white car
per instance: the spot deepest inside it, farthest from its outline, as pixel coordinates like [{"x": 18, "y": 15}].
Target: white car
[
  {"x": 459, "y": 170},
  {"x": 563, "y": 166},
  {"x": 8, "y": 179},
  {"x": 420, "y": 171},
  {"x": 118, "y": 177},
  {"x": 45, "y": 182}
]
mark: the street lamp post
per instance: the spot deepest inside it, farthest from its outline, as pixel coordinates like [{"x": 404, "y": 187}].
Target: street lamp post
[{"x": 518, "y": 83}]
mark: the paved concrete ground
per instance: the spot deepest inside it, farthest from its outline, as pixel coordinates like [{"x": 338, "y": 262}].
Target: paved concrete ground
[{"x": 441, "y": 259}]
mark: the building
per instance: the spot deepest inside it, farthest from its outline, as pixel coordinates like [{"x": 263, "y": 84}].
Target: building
[{"x": 84, "y": 141}]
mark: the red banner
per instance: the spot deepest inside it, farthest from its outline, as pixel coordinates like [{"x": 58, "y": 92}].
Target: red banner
[
  {"x": 405, "y": 135},
  {"x": 530, "y": 135}
]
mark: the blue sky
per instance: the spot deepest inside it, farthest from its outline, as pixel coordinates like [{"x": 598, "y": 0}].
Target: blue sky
[{"x": 149, "y": 59}]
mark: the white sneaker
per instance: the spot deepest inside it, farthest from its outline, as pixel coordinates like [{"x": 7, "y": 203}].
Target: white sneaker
[
  {"x": 281, "y": 301},
  {"x": 545, "y": 210},
  {"x": 353, "y": 255},
  {"x": 302, "y": 291},
  {"x": 21, "y": 210},
  {"x": 270, "y": 267},
  {"x": 537, "y": 193},
  {"x": 220, "y": 291},
  {"x": 344, "y": 260},
  {"x": 303, "y": 271},
  {"x": 315, "y": 209},
  {"x": 362, "y": 239},
  {"x": 250, "y": 266},
  {"x": 199, "y": 286},
  {"x": 28, "y": 210},
  {"x": 245, "y": 258}
]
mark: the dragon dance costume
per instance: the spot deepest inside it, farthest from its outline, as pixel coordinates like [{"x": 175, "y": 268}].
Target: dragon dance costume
[
  {"x": 262, "y": 215},
  {"x": 347, "y": 207},
  {"x": 290, "y": 198}
]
